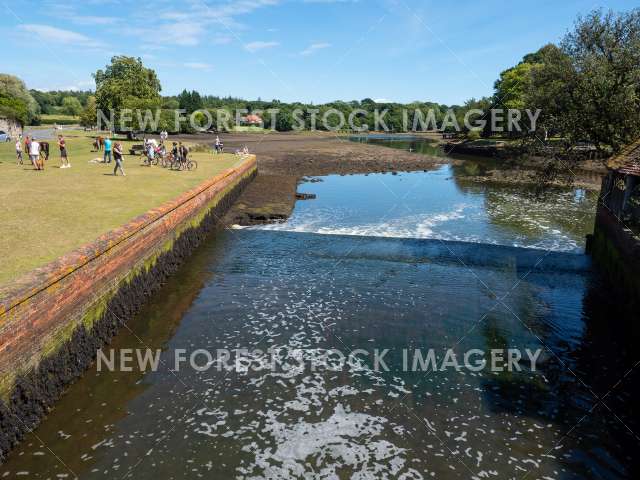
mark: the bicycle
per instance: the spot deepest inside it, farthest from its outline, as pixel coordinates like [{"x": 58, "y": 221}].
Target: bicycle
[
  {"x": 147, "y": 162},
  {"x": 184, "y": 164}
]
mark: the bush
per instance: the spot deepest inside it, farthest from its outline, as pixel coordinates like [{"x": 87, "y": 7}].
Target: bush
[{"x": 473, "y": 135}]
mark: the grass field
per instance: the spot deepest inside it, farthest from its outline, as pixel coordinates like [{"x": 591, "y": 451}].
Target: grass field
[
  {"x": 45, "y": 214},
  {"x": 59, "y": 119}
]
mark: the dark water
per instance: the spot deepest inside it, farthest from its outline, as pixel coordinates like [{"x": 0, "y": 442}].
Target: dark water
[{"x": 303, "y": 294}]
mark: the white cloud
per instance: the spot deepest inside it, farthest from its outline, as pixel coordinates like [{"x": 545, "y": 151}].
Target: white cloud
[
  {"x": 183, "y": 34},
  {"x": 47, "y": 33},
  {"x": 221, "y": 40},
  {"x": 81, "y": 85},
  {"x": 201, "y": 15},
  {"x": 255, "y": 46},
  {"x": 314, "y": 47},
  {"x": 198, "y": 65},
  {"x": 92, "y": 20}
]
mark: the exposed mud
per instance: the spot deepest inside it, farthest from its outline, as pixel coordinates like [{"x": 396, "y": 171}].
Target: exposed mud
[
  {"x": 269, "y": 198},
  {"x": 35, "y": 393},
  {"x": 319, "y": 154}
]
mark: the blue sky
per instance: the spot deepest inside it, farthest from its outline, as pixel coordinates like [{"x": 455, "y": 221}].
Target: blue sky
[{"x": 306, "y": 50}]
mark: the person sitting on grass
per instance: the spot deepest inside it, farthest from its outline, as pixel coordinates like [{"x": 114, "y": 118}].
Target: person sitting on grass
[
  {"x": 107, "y": 150},
  {"x": 117, "y": 156},
  {"x": 64, "y": 159}
]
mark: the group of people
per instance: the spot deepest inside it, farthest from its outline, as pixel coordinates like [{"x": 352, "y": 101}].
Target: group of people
[
  {"x": 179, "y": 152},
  {"x": 39, "y": 152}
]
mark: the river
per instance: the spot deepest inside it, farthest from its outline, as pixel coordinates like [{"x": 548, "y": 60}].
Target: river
[{"x": 396, "y": 263}]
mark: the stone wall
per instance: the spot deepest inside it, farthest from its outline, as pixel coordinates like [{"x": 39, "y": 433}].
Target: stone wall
[
  {"x": 11, "y": 127},
  {"x": 53, "y": 320},
  {"x": 616, "y": 254}
]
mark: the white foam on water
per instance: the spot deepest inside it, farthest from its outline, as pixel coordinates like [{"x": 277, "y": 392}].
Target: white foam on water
[
  {"x": 344, "y": 440},
  {"x": 408, "y": 226}
]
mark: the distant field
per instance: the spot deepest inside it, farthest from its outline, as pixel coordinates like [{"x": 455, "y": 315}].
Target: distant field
[
  {"x": 47, "y": 214},
  {"x": 59, "y": 119},
  {"x": 250, "y": 129}
]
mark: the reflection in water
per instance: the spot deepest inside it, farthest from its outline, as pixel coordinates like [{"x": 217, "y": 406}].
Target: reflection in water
[
  {"x": 403, "y": 142},
  {"x": 304, "y": 294},
  {"x": 431, "y": 205}
]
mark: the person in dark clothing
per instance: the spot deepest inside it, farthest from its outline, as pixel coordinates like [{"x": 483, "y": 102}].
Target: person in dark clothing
[{"x": 117, "y": 156}]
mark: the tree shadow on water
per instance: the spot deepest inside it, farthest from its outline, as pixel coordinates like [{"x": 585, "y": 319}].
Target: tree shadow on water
[{"x": 586, "y": 388}]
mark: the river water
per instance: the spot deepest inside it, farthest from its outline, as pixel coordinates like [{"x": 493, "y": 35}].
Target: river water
[{"x": 375, "y": 263}]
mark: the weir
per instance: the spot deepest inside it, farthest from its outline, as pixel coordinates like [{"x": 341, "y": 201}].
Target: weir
[{"x": 303, "y": 294}]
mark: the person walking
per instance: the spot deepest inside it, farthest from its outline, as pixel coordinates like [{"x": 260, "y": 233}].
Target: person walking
[
  {"x": 64, "y": 159},
  {"x": 19, "y": 152},
  {"x": 107, "y": 150},
  {"x": 34, "y": 153},
  {"x": 117, "y": 156}
]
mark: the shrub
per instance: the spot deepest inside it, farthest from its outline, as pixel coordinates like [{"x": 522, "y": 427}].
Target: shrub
[{"x": 473, "y": 135}]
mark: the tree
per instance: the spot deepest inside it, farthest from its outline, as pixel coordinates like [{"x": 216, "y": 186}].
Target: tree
[
  {"x": 512, "y": 86},
  {"x": 126, "y": 84},
  {"x": 88, "y": 118},
  {"x": 15, "y": 100},
  {"x": 190, "y": 101},
  {"x": 588, "y": 89},
  {"x": 552, "y": 91},
  {"x": 71, "y": 106},
  {"x": 605, "y": 53}
]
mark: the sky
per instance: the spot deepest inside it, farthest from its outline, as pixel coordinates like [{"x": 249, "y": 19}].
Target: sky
[{"x": 292, "y": 50}]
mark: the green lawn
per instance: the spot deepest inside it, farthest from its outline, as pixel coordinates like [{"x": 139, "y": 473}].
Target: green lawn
[
  {"x": 59, "y": 119},
  {"x": 46, "y": 214}
]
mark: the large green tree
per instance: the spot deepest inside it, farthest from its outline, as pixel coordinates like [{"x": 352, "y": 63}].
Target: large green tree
[
  {"x": 589, "y": 87},
  {"x": 605, "y": 53},
  {"x": 127, "y": 84}
]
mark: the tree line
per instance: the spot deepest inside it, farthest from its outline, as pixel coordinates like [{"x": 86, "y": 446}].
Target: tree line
[{"x": 586, "y": 87}]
